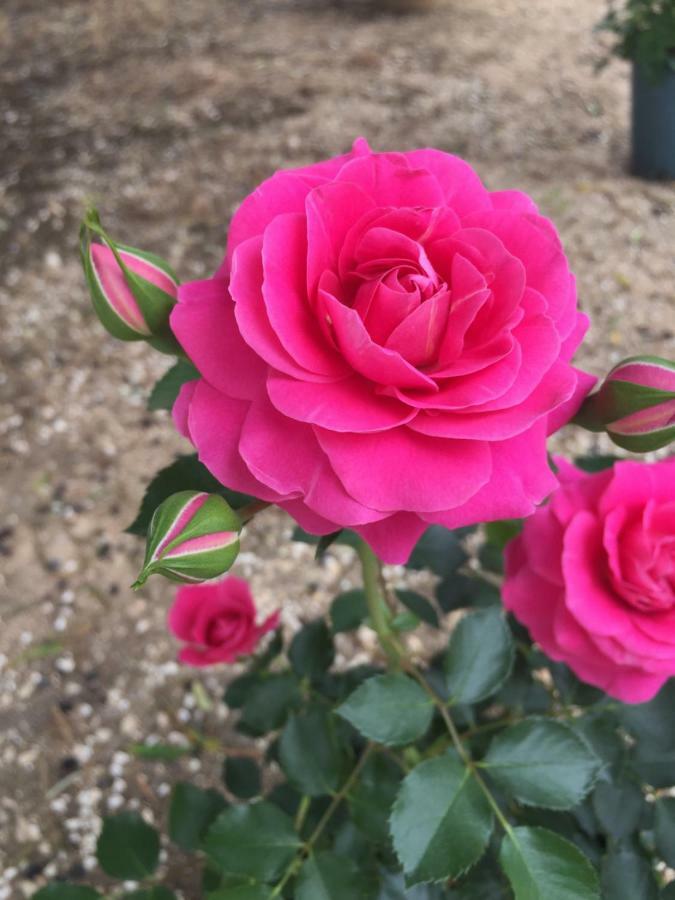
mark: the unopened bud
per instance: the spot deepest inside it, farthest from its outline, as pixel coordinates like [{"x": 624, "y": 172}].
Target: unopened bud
[
  {"x": 133, "y": 292},
  {"x": 192, "y": 537},
  {"x": 635, "y": 404}
]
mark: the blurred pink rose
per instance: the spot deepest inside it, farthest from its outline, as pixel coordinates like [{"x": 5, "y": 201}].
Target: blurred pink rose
[
  {"x": 217, "y": 621},
  {"x": 592, "y": 576},
  {"x": 386, "y": 345}
]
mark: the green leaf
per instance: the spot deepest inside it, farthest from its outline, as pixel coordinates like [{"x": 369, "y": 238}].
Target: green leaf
[
  {"x": 541, "y": 865},
  {"x": 327, "y": 876},
  {"x": 310, "y": 752},
  {"x": 439, "y": 550},
  {"x": 484, "y": 882},
  {"x": 191, "y": 812},
  {"x": 348, "y": 611},
  {"x": 653, "y": 722},
  {"x": 405, "y": 621},
  {"x": 441, "y": 821},
  {"x": 242, "y": 892},
  {"x": 542, "y": 763},
  {"x": 269, "y": 703},
  {"x": 668, "y": 892},
  {"x": 312, "y": 652},
  {"x": 618, "y": 807},
  {"x": 627, "y": 875},
  {"x": 419, "y": 606},
  {"x": 167, "y": 752},
  {"x": 61, "y": 890},
  {"x": 664, "y": 832},
  {"x": 372, "y": 798},
  {"x": 500, "y": 533},
  {"x": 184, "y": 474},
  {"x": 389, "y": 709},
  {"x": 242, "y": 777},
  {"x": 127, "y": 848},
  {"x": 256, "y": 840},
  {"x": 463, "y": 591},
  {"x": 166, "y": 390},
  {"x": 595, "y": 463},
  {"x": 394, "y": 888},
  {"x": 480, "y": 656},
  {"x": 157, "y": 892}
]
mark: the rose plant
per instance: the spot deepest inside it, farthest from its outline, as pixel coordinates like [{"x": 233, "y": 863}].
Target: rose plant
[{"x": 382, "y": 354}]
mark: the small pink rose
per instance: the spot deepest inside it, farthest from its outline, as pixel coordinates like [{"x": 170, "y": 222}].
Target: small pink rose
[
  {"x": 217, "y": 622},
  {"x": 592, "y": 576}
]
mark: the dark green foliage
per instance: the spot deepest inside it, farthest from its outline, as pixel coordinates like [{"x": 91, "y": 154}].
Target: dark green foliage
[
  {"x": 127, "y": 847},
  {"x": 166, "y": 390},
  {"x": 241, "y": 775},
  {"x": 191, "y": 812},
  {"x": 645, "y": 33},
  {"x": 311, "y": 652},
  {"x": 184, "y": 474},
  {"x": 389, "y": 709}
]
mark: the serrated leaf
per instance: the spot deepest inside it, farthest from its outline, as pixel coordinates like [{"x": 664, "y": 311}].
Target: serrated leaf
[
  {"x": 310, "y": 752},
  {"x": 165, "y": 391},
  {"x": 312, "y": 651},
  {"x": 61, "y": 890},
  {"x": 542, "y": 763},
  {"x": 191, "y": 812},
  {"x": 480, "y": 656},
  {"x": 627, "y": 875},
  {"x": 257, "y": 841},
  {"x": 184, "y": 474},
  {"x": 327, "y": 876},
  {"x": 371, "y": 799},
  {"x": 419, "y": 606},
  {"x": 439, "y": 550},
  {"x": 441, "y": 821},
  {"x": 664, "y": 830},
  {"x": 242, "y": 777},
  {"x": 618, "y": 807},
  {"x": 389, "y": 709},
  {"x": 127, "y": 847},
  {"x": 483, "y": 882},
  {"x": 348, "y": 610},
  {"x": 541, "y": 865}
]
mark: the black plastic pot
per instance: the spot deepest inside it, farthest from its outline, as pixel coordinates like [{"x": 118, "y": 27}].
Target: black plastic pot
[{"x": 653, "y": 125}]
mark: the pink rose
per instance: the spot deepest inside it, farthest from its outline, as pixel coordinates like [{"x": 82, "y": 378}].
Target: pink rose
[
  {"x": 386, "y": 345},
  {"x": 592, "y": 576},
  {"x": 217, "y": 620}
]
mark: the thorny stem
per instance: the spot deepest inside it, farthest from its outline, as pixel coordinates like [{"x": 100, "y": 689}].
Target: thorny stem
[{"x": 306, "y": 848}]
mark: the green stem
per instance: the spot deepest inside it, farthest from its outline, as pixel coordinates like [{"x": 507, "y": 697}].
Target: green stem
[
  {"x": 376, "y": 599},
  {"x": 306, "y": 848}
]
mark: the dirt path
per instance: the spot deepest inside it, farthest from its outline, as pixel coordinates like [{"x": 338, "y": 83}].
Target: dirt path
[{"x": 165, "y": 114}]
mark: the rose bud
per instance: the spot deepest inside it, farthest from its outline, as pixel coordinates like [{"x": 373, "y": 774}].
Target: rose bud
[
  {"x": 217, "y": 622},
  {"x": 635, "y": 404},
  {"x": 192, "y": 537},
  {"x": 133, "y": 292}
]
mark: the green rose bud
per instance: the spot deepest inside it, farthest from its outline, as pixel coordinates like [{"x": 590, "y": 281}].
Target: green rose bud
[
  {"x": 192, "y": 537},
  {"x": 133, "y": 292},
  {"x": 635, "y": 404}
]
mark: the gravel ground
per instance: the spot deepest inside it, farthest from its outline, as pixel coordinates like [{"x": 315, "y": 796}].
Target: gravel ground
[{"x": 165, "y": 114}]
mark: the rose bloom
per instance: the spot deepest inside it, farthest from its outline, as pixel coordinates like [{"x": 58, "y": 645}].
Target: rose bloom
[
  {"x": 592, "y": 576},
  {"x": 386, "y": 345},
  {"x": 217, "y": 621}
]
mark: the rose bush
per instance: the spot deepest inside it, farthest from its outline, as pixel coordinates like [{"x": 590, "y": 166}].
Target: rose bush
[
  {"x": 592, "y": 576},
  {"x": 217, "y": 622},
  {"x": 386, "y": 345}
]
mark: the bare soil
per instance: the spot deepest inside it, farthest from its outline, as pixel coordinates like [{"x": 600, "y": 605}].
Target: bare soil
[{"x": 165, "y": 114}]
